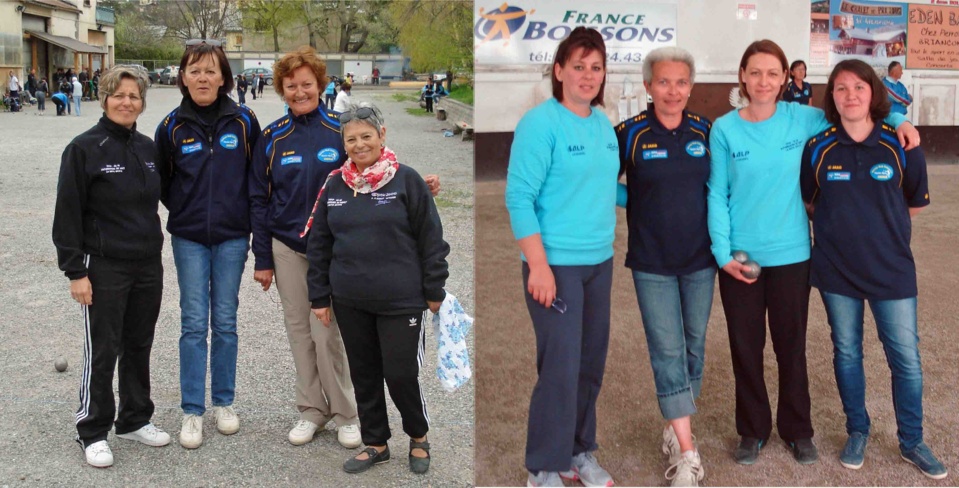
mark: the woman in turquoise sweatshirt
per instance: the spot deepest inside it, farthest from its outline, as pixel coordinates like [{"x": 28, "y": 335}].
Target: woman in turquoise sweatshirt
[
  {"x": 754, "y": 205},
  {"x": 561, "y": 196}
]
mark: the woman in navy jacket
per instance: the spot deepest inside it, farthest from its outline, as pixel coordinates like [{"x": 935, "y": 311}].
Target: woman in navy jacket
[
  {"x": 204, "y": 150},
  {"x": 292, "y": 159}
]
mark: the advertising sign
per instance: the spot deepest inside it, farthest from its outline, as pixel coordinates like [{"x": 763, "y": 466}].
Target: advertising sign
[{"x": 528, "y": 31}]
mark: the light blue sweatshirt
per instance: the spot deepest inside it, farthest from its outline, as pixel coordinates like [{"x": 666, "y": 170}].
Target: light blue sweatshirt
[
  {"x": 754, "y": 199},
  {"x": 562, "y": 183}
]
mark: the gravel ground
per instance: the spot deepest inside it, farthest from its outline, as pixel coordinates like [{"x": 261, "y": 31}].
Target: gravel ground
[
  {"x": 629, "y": 421},
  {"x": 42, "y": 323}
]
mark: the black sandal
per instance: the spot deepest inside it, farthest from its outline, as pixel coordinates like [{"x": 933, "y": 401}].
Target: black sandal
[
  {"x": 419, "y": 465},
  {"x": 374, "y": 457}
]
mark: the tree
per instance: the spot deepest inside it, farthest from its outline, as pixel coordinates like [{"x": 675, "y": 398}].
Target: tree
[
  {"x": 193, "y": 19},
  {"x": 138, "y": 39},
  {"x": 353, "y": 21},
  {"x": 269, "y": 15},
  {"x": 435, "y": 34}
]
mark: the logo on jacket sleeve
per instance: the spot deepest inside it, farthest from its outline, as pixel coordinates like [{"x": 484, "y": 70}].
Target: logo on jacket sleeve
[
  {"x": 881, "y": 172},
  {"x": 328, "y": 155},
  {"x": 192, "y": 148},
  {"x": 229, "y": 141},
  {"x": 696, "y": 149}
]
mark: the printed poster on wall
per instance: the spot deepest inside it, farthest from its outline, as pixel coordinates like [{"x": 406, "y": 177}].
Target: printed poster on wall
[
  {"x": 918, "y": 35},
  {"x": 933, "y": 40},
  {"x": 528, "y": 31}
]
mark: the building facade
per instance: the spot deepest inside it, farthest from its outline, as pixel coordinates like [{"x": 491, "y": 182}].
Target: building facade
[{"x": 46, "y": 35}]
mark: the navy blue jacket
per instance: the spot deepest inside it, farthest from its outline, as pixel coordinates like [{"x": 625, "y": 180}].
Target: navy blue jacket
[
  {"x": 666, "y": 174},
  {"x": 862, "y": 192},
  {"x": 291, "y": 161},
  {"x": 382, "y": 252},
  {"x": 204, "y": 171}
]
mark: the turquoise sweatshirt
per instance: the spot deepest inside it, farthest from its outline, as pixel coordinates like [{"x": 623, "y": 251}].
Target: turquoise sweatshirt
[
  {"x": 562, "y": 183},
  {"x": 754, "y": 199}
]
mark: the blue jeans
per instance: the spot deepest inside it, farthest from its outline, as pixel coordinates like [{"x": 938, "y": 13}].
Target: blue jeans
[
  {"x": 675, "y": 312},
  {"x": 76, "y": 100},
  {"x": 896, "y": 324},
  {"x": 209, "y": 279}
]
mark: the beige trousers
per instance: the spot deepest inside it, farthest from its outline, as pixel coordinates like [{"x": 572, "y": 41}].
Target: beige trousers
[{"x": 324, "y": 391}]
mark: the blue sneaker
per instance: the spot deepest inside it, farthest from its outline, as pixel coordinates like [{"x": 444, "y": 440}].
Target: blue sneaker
[
  {"x": 923, "y": 458},
  {"x": 854, "y": 453}
]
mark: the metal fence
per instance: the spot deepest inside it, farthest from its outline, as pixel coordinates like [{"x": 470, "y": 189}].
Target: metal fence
[{"x": 151, "y": 64}]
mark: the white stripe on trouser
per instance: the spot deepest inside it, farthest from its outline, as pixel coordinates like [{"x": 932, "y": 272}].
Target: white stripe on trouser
[
  {"x": 420, "y": 356},
  {"x": 84, "y": 410}
]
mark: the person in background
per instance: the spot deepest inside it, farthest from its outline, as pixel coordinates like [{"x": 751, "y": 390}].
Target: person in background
[
  {"x": 241, "y": 86},
  {"x": 861, "y": 189},
  {"x": 66, "y": 87},
  {"x": 62, "y": 103},
  {"x": 561, "y": 197},
  {"x": 261, "y": 85},
  {"x": 899, "y": 96},
  {"x": 204, "y": 150},
  {"x": 13, "y": 84},
  {"x": 449, "y": 81},
  {"x": 253, "y": 85},
  {"x": 330, "y": 93},
  {"x": 83, "y": 78},
  {"x": 96, "y": 83},
  {"x": 797, "y": 90},
  {"x": 77, "y": 94},
  {"x": 108, "y": 238},
  {"x": 343, "y": 101},
  {"x": 376, "y": 75},
  {"x": 427, "y": 94},
  {"x": 668, "y": 251},
  {"x": 31, "y": 86},
  {"x": 41, "y": 95}
]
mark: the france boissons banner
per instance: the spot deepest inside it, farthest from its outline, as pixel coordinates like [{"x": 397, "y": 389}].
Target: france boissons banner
[{"x": 528, "y": 31}]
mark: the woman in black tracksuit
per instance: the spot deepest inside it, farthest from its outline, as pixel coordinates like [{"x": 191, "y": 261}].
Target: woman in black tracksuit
[
  {"x": 108, "y": 239},
  {"x": 376, "y": 251}
]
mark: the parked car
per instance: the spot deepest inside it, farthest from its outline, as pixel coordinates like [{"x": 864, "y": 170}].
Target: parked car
[
  {"x": 266, "y": 72},
  {"x": 169, "y": 74},
  {"x": 154, "y": 77}
]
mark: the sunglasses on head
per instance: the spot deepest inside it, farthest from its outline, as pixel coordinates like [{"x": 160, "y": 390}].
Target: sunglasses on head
[
  {"x": 359, "y": 114},
  {"x": 197, "y": 42}
]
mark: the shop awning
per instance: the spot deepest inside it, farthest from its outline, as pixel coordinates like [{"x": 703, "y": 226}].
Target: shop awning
[{"x": 68, "y": 43}]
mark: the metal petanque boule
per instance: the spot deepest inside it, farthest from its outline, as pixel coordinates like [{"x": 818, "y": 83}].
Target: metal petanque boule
[
  {"x": 740, "y": 256},
  {"x": 60, "y": 364},
  {"x": 753, "y": 271}
]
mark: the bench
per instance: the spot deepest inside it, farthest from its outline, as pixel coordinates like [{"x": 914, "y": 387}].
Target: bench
[{"x": 466, "y": 129}]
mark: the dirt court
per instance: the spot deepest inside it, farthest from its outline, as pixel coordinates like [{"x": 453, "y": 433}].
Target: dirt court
[{"x": 630, "y": 424}]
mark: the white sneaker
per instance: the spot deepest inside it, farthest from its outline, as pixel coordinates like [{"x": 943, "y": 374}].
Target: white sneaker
[
  {"x": 349, "y": 436},
  {"x": 226, "y": 420},
  {"x": 149, "y": 434},
  {"x": 99, "y": 454},
  {"x": 688, "y": 471},
  {"x": 191, "y": 432},
  {"x": 302, "y": 432}
]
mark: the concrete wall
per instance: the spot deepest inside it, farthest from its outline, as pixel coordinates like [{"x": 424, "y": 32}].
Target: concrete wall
[{"x": 456, "y": 111}]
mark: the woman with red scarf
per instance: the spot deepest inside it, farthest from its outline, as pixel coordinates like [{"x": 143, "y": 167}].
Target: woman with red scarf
[{"x": 378, "y": 258}]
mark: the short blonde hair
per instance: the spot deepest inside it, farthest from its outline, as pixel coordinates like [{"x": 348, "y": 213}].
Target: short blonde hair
[
  {"x": 290, "y": 62},
  {"x": 110, "y": 81}
]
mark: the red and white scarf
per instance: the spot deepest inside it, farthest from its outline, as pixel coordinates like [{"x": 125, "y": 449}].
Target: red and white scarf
[{"x": 372, "y": 178}]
